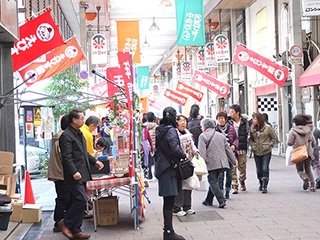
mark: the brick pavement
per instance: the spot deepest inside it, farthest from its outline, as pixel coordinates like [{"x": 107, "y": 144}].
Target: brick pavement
[{"x": 285, "y": 212}]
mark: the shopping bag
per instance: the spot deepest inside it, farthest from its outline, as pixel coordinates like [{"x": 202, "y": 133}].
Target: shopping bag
[
  {"x": 191, "y": 183},
  {"x": 299, "y": 154},
  {"x": 200, "y": 166},
  {"x": 289, "y": 155}
]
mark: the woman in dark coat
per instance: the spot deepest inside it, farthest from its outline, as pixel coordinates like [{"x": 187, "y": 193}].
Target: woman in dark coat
[{"x": 168, "y": 153}]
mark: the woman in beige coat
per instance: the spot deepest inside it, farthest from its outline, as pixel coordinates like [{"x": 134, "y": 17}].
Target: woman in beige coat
[
  {"x": 262, "y": 139},
  {"x": 298, "y": 136}
]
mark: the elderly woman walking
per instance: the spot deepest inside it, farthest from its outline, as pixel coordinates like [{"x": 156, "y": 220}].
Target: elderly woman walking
[
  {"x": 298, "y": 136},
  {"x": 216, "y": 152},
  {"x": 169, "y": 152}
]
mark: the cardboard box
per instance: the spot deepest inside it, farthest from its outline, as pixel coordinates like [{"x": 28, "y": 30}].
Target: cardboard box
[
  {"x": 16, "y": 215},
  {"x": 8, "y": 183},
  {"x": 108, "y": 211},
  {"x": 6, "y": 160},
  {"x": 16, "y": 196},
  {"x": 31, "y": 213}
]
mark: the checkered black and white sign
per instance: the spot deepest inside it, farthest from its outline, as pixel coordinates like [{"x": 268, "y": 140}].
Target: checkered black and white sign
[{"x": 267, "y": 104}]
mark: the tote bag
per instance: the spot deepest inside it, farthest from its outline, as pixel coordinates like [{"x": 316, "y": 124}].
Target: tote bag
[{"x": 300, "y": 153}]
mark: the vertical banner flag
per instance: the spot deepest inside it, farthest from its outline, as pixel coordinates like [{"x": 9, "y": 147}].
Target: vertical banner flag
[
  {"x": 128, "y": 39},
  {"x": 175, "y": 97},
  {"x": 210, "y": 56},
  {"x": 213, "y": 84},
  {"x": 201, "y": 65},
  {"x": 190, "y": 23},
  {"x": 143, "y": 77},
  {"x": 184, "y": 88},
  {"x": 221, "y": 47},
  {"x": 99, "y": 53},
  {"x": 115, "y": 74},
  {"x": 57, "y": 61},
  {"x": 266, "y": 67},
  {"x": 186, "y": 71},
  {"x": 37, "y": 37}
]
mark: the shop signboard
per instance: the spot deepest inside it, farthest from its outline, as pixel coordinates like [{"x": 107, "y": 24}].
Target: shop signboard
[
  {"x": 310, "y": 8},
  {"x": 186, "y": 71},
  {"x": 99, "y": 53},
  {"x": 201, "y": 64},
  {"x": 221, "y": 48},
  {"x": 210, "y": 61}
]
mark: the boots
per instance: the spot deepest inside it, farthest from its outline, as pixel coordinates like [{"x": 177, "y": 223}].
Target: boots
[
  {"x": 169, "y": 234},
  {"x": 260, "y": 186},
  {"x": 265, "y": 181},
  {"x": 313, "y": 187},
  {"x": 243, "y": 186},
  {"x": 227, "y": 194}
]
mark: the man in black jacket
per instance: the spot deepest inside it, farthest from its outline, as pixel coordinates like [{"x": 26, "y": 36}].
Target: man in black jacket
[
  {"x": 76, "y": 170},
  {"x": 241, "y": 126}
]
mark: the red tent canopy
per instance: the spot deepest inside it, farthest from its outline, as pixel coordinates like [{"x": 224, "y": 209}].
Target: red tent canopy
[{"x": 311, "y": 76}]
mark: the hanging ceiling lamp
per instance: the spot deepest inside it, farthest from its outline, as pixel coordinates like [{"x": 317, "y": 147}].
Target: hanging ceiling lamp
[
  {"x": 154, "y": 26},
  {"x": 166, "y": 3},
  {"x": 145, "y": 44}
]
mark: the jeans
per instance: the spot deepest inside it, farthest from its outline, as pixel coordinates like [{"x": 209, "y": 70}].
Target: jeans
[
  {"x": 228, "y": 178},
  {"x": 262, "y": 165}
]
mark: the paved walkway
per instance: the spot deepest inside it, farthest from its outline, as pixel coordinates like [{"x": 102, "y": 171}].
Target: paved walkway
[{"x": 285, "y": 212}]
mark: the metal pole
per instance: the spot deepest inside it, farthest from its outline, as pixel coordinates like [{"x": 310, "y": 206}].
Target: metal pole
[{"x": 98, "y": 10}]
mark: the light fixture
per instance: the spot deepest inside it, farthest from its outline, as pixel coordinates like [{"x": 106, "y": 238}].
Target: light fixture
[
  {"x": 166, "y": 3},
  {"x": 154, "y": 26},
  {"x": 145, "y": 44}
]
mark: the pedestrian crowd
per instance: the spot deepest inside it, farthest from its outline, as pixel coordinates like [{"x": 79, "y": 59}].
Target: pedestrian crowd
[{"x": 221, "y": 143}]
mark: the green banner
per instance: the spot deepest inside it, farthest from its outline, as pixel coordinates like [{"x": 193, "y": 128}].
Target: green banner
[
  {"x": 143, "y": 77},
  {"x": 190, "y": 23}
]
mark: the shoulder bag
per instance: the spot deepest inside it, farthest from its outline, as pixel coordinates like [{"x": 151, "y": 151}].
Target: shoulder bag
[{"x": 300, "y": 153}]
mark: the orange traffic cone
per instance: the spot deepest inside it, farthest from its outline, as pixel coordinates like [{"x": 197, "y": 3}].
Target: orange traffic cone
[{"x": 28, "y": 193}]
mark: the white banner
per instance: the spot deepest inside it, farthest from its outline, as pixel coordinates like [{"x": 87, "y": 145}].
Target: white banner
[
  {"x": 310, "y": 8},
  {"x": 99, "y": 51}
]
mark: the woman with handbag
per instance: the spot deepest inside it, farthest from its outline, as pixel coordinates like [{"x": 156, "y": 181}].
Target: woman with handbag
[
  {"x": 182, "y": 205},
  {"x": 262, "y": 139},
  {"x": 298, "y": 136},
  {"x": 168, "y": 154}
]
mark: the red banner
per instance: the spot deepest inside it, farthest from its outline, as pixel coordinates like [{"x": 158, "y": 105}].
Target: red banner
[
  {"x": 184, "y": 88},
  {"x": 266, "y": 67},
  {"x": 116, "y": 75},
  {"x": 58, "y": 60},
  {"x": 37, "y": 37},
  {"x": 175, "y": 97},
  {"x": 213, "y": 84}
]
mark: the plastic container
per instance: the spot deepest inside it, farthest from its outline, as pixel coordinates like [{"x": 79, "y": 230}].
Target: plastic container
[{"x": 5, "y": 212}]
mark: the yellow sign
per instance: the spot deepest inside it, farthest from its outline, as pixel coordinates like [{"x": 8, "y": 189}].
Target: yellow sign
[{"x": 37, "y": 116}]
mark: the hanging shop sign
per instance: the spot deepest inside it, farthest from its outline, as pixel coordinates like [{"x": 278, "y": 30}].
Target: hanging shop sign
[
  {"x": 99, "y": 53},
  {"x": 178, "y": 73},
  {"x": 310, "y": 8},
  {"x": 186, "y": 89},
  {"x": 201, "y": 64},
  {"x": 211, "y": 83},
  {"x": 210, "y": 60},
  {"x": 175, "y": 97},
  {"x": 58, "y": 60},
  {"x": 128, "y": 39},
  {"x": 186, "y": 71},
  {"x": 37, "y": 37},
  {"x": 221, "y": 47},
  {"x": 190, "y": 23},
  {"x": 270, "y": 69},
  {"x": 143, "y": 77}
]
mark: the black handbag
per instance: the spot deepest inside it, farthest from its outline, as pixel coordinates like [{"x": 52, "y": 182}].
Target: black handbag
[{"x": 184, "y": 169}]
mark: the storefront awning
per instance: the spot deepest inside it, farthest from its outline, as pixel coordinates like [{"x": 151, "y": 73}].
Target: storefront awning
[{"x": 311, "y": 76}]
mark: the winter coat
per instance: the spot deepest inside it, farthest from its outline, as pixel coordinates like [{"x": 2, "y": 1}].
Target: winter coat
[
  {"x": 298, "y": 136},
  {"x": 75, "y": 157},
  {"x": 195, "y": 128},
  {"x": 262, "y": 142},
  {"x": 232, "y": 135},
  {"x": 152, "y": 130},
  {"x": 218, "y": 154},
  {"x": 242, "y": 133},
  {"x": 55, "y": 168},
  {"x": 168, "y": 153}
]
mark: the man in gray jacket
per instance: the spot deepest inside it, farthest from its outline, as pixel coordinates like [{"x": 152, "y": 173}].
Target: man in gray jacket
[{"x": 216, "y": 152}]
